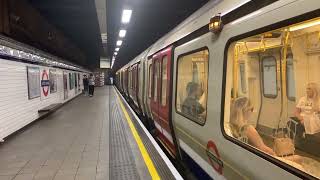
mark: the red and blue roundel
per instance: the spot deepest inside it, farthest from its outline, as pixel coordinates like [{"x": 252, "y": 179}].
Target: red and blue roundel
[{"x": 45, "y": 83}]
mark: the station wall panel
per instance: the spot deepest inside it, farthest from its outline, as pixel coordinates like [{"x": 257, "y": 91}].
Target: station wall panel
[{"x": 16, "y": 109}]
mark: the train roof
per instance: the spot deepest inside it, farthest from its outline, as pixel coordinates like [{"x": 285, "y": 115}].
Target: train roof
[{"x": 197, "y": 20}]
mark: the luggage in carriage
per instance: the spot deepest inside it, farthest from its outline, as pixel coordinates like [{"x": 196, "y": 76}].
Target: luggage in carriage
[{"x": 308, "y": 143}]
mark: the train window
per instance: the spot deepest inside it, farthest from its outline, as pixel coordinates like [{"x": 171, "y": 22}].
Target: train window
[
  {"x": 164, "y": 81},
  {"x": 192, "y": 85},
  {"x": 155, "y": 80},
  {"x": 276, "y": 128},
  {"x": 149, "y": 81},
  {"x": 291, "y": 89},
  {"x": 269, "y": 71}
]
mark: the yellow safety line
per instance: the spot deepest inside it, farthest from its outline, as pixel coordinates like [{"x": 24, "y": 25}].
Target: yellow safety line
[{"x": 146, "y": 157}]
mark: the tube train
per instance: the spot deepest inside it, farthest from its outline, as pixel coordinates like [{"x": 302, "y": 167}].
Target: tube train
[{"x": 225, "y": 91}]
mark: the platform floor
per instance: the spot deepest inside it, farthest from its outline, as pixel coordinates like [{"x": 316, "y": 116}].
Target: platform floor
[{"x": 87, "y": 139}]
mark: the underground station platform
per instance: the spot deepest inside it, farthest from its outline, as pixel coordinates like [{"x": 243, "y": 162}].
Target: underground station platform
[{"x": 89, "y": 138}]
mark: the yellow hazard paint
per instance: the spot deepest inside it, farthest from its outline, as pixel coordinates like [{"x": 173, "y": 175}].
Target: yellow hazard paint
[{"x": 146, "y": 157}]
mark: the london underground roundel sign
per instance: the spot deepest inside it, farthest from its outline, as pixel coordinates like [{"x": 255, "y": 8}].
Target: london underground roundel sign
[
  {"x": 45, "y": 83},
  {"x": 214, "y": 157}
]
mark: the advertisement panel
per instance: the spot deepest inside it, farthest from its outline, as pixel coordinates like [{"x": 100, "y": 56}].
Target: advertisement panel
[
  {"x": 33, "y": 82},
  {"x": 53, "y": 81}
]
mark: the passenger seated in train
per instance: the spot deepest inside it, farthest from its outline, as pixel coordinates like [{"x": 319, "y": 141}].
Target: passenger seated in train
[
  {"x": 308, "y": 109},
  {"x": 240, "y": 129},
  {"x": 240, "y": 112},
  {"x": 191, "y": 105}
]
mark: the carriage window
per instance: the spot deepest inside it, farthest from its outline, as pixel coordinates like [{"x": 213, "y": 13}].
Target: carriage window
[
  {"x": 164, "y": 81},
  {"x": 149, "y": 81},
  {"x": 291, "y": 89},
  {"x": 192, "y": 86},
  {"x": 269, "y": 77},
  {"x": 155, "y": 80},
  {"x": 262, "y": 120}
]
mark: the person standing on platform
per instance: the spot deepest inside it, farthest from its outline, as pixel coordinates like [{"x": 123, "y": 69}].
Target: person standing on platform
[
  {"x": 85, "y": 85},
  {"x": 91, "y": 85}
]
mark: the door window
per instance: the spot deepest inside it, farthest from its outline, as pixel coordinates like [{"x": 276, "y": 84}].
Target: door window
[
  {"x": 291, "y": 89},
  {"x": 269, "y": 65},
  {"x": 243, "y": 79},
  {"x": 164, "y": 81},
  {"x": 150, "y": 81},
  {"x": 155, "y": 80}
]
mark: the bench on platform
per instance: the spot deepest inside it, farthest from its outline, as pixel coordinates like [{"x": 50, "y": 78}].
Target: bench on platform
[{"x": 49, "y": 108}]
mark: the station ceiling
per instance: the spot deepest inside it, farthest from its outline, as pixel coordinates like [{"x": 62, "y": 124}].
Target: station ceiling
[
  {"x": 79, "y": 22},
  {"x": 150, "y": 21}
]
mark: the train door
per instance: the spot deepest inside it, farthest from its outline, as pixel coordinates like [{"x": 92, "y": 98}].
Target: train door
[
  {"x": 149, "y": 87},
  {"x": 155, "y": 97},
  {"x": 271, "y": 93},
  {"x": 161, "y": 106},
  {"x": 194, "y": 131},
  {"x": 126, "y": 80},
  {"x": 136, "y": 94}
]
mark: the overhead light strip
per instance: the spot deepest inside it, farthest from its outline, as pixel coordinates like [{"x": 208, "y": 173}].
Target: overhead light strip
[
  {"x": 126, "y": 16},
  {"x": 122, "y": 33},
  {"x": 119, "y": 42}
]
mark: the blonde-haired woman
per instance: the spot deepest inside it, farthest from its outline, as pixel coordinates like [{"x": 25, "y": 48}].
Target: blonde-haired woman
[
  {"x": 308, "y": 108},
  {"x": 240, "y": 112}
]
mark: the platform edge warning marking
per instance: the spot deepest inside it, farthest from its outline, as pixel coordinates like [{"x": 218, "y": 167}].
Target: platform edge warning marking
[
  {"x": 152, "y": 170},
  {"x": 173, "y": 170}
]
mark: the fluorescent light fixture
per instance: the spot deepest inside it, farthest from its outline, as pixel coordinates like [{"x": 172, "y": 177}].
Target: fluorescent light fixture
[
  {"x": 122, "y": 33},
  {"x": 115, "y": 53},
  {"x": 119, "y": 43},
  {"x": 246, "y": 17},
  {"x": 305, "y": 25},
  {"x": 117, "y": 49},
  {"x": 126, "y": 15}
]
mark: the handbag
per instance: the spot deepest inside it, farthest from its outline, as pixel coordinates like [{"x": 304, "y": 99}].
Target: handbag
[{"x": 283, "y": 146}]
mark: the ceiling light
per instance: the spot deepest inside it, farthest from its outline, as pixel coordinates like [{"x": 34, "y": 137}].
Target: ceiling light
[
  {"x": 104, "y": 37},
  {"x": 119, "y": 42},
  {"x": 126, "y": 15},
  {"x": 115, "y": 53},
  {"x": 122, "y": 33},
  {"x": 117, "y": 49},
  {"x": 305, "y": 25}
]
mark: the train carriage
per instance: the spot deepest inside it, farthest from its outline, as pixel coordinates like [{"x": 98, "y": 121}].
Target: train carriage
[{"x": 221, "y": 101}]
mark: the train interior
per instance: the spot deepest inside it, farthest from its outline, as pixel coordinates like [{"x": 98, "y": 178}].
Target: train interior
[{"x": 273, "y": 71}]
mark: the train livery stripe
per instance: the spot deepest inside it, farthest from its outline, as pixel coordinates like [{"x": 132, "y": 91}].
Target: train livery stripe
[
  {"x": 146, "y": 157},
  {"x": 173, "y": 170}
]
